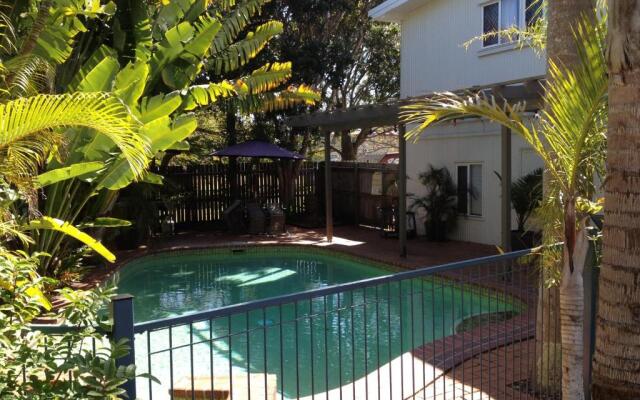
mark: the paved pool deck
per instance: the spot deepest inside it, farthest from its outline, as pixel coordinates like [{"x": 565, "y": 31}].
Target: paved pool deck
[{"x": 360, "y": 242}]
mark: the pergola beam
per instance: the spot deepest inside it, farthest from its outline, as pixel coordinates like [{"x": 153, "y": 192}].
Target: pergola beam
[
  {"x": 354, "y": 118},
  {"x": 402, "y": 189},
  {"x": 388, "y": 114}
]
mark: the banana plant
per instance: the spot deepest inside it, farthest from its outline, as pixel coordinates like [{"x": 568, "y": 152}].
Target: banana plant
[{"x": 158, "y": 54}]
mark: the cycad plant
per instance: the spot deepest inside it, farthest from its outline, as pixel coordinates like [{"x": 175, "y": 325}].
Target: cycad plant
[
  {"x": 438, "y": 203},
  {"x": 526, "y": 194},
  {"x": 570, "y": 137}
]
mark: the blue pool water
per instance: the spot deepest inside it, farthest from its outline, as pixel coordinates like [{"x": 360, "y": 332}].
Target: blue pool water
[{"x": 362, "y": 329}]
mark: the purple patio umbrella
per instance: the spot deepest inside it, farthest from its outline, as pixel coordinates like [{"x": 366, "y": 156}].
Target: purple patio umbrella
[{"x": 257, "y": 149}]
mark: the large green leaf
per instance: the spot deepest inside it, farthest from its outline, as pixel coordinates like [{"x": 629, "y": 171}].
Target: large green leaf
[
  {"x": 97, "y": 73},
  {"x": 48, "y": 223},
  {"x": 179, "y": 57},
  {"x": 159, "y": 106},
  {"x": 273, "y": 101},
  {"x": 266, "y": 78},
  {"x": 235, "y": 22},
  {"x": 162, "y": 134},
  {"x": 26, "y": 120},
  {"x": 130, "y": 83},
  {"x": 73, "y": 171},
  {"x": 106, "y": 223}
]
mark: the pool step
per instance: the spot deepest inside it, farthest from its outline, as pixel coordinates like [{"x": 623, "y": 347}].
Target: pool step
[{"x": 182, "y": 390}]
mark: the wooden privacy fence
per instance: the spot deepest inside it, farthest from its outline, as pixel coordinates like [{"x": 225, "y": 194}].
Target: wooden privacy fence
[
  {"x": 360, "y": 189},
  {"x": 198, "y": 195}
]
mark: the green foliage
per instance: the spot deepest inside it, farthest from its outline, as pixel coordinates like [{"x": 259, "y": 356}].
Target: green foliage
[
  {"x": 438, "y": 203},
  {"x": 338, "y": 49},
  {"x": 526, "y": 195},
  {"x": 129, "y": 96},
  {"x": 27, "y": 125},
  {"x": 39, "y": 365}
]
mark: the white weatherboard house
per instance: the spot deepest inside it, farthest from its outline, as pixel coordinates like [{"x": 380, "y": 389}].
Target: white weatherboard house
[{"x": 435, "y": 60}]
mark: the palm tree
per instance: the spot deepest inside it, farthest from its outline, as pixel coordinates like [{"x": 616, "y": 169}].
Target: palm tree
[
  {"x": 561, "y": 17},
  {"x": 616, "y": 373},
  {"x": 569, "y": 136}
]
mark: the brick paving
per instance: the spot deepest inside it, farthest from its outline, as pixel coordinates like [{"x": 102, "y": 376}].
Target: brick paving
[{"x": 481, "y": 363}]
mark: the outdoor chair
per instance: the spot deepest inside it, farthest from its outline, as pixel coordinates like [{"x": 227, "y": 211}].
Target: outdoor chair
[
  {"x": 257, "y": 219},
  {"x": 234, "y": 218},
  {"x": 276, "y": 217}
]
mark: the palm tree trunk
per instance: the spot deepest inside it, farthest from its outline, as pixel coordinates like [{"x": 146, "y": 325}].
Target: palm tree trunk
[
  {"x": 616, "y": 372},
  {"x": 572, "y": 316},
  {"x": 562, "y": 16},
  {"x": 38, "y": 27}
]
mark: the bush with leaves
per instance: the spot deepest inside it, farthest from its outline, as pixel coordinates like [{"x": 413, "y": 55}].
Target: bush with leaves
[
  {"x": 439, "y": 202},
  {"x": 526, "y": 195},
  {"x": 39, "y": 365}
]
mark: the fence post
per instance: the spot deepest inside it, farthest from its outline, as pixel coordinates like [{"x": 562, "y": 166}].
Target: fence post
[{"x": 122, "y": 313}]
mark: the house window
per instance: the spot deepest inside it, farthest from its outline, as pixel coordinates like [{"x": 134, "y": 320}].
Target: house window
[
  {"x": 470, "y": 189},
  {"x": 532, "y": 12},
  {"x": 499, "y": 16}
]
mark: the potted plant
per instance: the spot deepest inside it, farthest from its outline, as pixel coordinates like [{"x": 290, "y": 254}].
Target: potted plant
[
  {"x": 526, "y": 195},
  {"x": 438, "y": 203}
]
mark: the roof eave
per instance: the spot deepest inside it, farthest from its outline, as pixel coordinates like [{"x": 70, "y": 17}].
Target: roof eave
[{"x": 394, "y": 10}]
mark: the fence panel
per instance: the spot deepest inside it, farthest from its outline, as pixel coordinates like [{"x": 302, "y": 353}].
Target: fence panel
[
  {"x": 199, "y": 194},
  {"x": 361, "y": 189}
]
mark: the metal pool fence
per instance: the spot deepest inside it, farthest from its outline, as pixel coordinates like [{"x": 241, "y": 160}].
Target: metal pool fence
[{"x": 461, "y": 330}]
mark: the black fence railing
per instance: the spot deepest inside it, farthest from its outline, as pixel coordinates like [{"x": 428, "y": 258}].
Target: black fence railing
[
  {"x": 464, "y": 330},
  {"x": 453, "y": 331}
]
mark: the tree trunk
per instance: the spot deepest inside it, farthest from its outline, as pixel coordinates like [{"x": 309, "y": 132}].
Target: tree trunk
[
  {"x": 348, "y": 149},
  {"x": 232, "y": 139},
  {"x": 616, "y": 372},
  {"x": 572, "y": 316},
  {"x": 562, "y": 17}
]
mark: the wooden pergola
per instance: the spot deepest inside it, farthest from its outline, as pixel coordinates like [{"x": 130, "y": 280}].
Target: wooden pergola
[{"x": 388, "y": 114}]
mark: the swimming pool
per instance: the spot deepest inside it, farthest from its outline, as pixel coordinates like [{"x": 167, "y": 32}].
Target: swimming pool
[{"x": 364, "y": 328}]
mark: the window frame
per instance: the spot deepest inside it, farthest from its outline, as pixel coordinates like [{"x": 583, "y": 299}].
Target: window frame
[
  {"x": 468, "y": 166},
  {"x": 522, "y": 23}
]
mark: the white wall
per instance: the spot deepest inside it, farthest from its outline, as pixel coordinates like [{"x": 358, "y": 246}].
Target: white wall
[
  {"x": 433, "y": 58},
  {"x": 469, "y": 141}
]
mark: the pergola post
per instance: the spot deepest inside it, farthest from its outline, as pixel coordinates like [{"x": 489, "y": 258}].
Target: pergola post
[
  {"x": 506, "y": 189},
  {"x": 402, "y": 189},
  {"x": 328, "y": 184}
]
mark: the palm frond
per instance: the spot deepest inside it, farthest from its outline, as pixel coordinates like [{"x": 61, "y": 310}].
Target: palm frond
[
  {"x": 27, "y": 76},
  {"x": 7, "y": 33},
  {"x": 203, "y": 95},
  {"x": 235, "y": 22},
  {"x": 186, "y": 44},
  {"x": 276, "y": 101},
  {"x": 28, "y": 128},
  {"x": 241, "y": 52},
  {"x": 266, "y": 78},
  {"x": 574, "y": 122}
]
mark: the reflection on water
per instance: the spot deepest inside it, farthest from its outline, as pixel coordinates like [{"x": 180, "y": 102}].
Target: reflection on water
[{"x": 362, "y": 329}]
